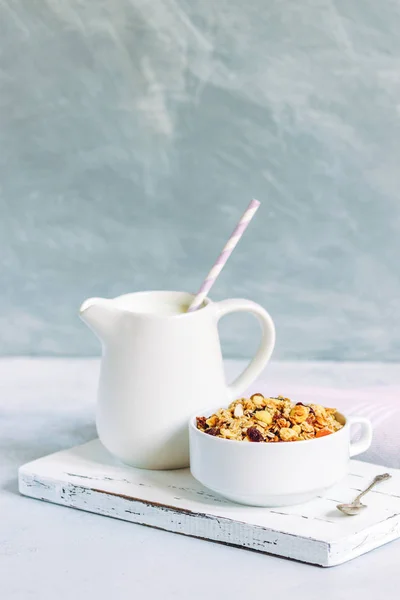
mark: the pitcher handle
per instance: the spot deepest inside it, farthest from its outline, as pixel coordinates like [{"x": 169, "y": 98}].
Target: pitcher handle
[{"x": 255, "y": 367}]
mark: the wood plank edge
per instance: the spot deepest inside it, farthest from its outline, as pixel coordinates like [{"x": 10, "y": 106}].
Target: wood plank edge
[
  {"x": 202, "y": 526},
  {"x": 360, "y": 543}
]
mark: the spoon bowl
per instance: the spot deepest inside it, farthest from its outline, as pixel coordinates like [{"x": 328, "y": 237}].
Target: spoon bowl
[
  {"x": 355, "y": 507},
  {"x": 351, "y": 509}
]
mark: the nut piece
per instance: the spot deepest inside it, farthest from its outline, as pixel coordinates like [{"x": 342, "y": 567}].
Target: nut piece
[
  {"x": 306, "y": 427},
  {"x": 299, "y": 413},
  {"x": 238, "y": 412},
  {"x": 226, "y": 433},
  {"x": 287, "y": 435},
  {"x": 321, "y": 416},
  {"x": 264, "y": 416},
  {"x": 258, "y": 399},
  {"x": 211, "y": 421}
]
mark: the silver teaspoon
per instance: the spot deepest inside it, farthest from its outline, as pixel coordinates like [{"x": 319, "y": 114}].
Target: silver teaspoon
[{"x": 356, "y": 506}]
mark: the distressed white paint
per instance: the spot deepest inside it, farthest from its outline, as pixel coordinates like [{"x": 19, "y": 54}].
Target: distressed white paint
[
  {"x": 87, "y": 478},
  {"x": 48, "y": 405}
]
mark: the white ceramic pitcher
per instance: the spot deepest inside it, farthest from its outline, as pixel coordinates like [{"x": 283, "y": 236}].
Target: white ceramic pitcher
[{"x": 161, "y": 364}]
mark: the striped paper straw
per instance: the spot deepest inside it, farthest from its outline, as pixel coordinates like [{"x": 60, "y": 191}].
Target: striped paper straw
[{"x": 225, "y": 254}]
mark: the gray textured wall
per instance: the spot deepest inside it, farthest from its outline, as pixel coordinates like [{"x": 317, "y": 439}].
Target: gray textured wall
[{"x": 133, "y": 133}]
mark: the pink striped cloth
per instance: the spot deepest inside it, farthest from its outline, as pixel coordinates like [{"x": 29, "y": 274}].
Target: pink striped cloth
[{"x": 370, "y": 390}]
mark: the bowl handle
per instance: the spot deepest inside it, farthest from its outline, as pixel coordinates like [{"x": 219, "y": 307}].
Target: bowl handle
[{"x": 366, "y": 435}]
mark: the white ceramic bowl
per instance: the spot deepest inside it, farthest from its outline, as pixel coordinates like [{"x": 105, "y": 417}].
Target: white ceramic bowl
[{"x": 277, "y": 474}]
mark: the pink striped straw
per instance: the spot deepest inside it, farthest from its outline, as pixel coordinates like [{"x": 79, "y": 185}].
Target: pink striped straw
[{"x": 225, "y": 254}]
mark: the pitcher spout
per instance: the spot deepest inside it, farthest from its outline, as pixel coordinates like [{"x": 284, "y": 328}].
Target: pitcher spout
[{"x": 99, "y": 314}]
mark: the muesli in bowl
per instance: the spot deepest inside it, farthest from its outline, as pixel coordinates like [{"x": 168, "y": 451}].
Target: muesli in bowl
[
  {"x": 273, "y": 472},
  {"x": 260, "y": 419}
]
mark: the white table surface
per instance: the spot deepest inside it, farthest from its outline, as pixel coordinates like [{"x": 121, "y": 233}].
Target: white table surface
[{"x": 48, "y": 551}]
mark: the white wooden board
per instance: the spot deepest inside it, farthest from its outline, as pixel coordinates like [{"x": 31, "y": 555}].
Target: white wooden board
[{"x": 88, "y": 478}]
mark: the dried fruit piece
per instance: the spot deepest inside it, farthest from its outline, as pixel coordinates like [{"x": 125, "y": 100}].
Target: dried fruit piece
[
  {"x": 323, "y": 432},
  {"x": 201, "y": 422},
  {"x": 254, "y": 434},
  {"x": 213, "y": 431}
]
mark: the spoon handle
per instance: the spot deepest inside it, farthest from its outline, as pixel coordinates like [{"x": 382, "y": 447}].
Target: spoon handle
[{"x": 376, "y": 480}]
